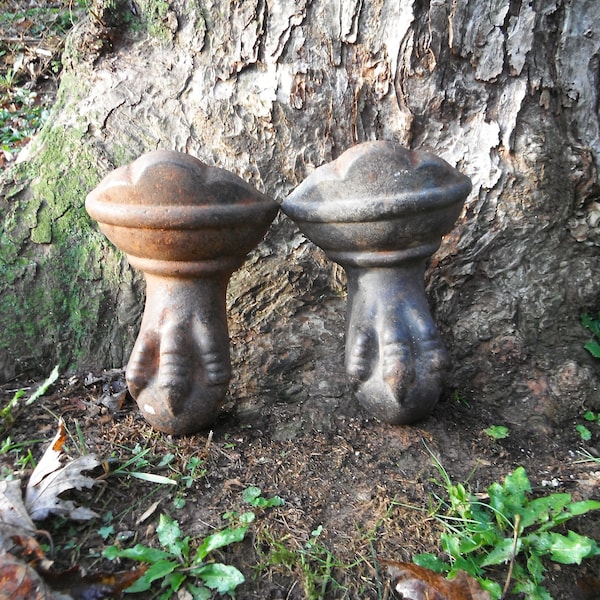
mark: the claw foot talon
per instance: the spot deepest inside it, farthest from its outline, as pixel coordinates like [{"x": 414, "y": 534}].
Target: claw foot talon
[
  {"x": 397, "y": 367},
  {"x": 358, "y": 361}
]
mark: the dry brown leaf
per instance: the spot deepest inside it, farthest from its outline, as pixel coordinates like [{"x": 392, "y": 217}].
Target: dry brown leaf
[
  {"x": 12, "y": 508},
  {"x": 53, "y": 476},
  {"x": 19, "y": 581},
  {"x": 417, "y": 583},
  {"x": 15, "y": 522},
  {"x": 93, "y": 586},
  {"x": 50, "y": 478},
  {"x": 25, "y": 574},
  {"x": 24, "y": 570}
]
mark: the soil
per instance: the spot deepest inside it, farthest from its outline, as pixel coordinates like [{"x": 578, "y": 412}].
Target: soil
[{"x": 335, "y": 468}]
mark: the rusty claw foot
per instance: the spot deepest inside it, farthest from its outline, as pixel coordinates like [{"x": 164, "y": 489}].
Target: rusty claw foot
[
  {"x": 179, "y": 368},
  {"x": 380, "y": 210},
  {"x": 188, "y": 227}
]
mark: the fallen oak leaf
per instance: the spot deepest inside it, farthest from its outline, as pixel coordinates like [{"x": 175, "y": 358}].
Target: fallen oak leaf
[
  {"x": 12, "y": 508},
  {"x": 20, "y": 581},
  {"x": 51, "y": 478},
  {"x": 43, "y": 499},
  {"x": 53, "y": 456},
  {"x": 16, "y": 527},
  {"x": 28, "y": 576},
  {"x": 28, "y": 548},
  {"x": 413, "y": 582},
  {"x": 15, "y": 523},
  {"x": 24, "y": 570},
  {"x": 93, "y": 586}
]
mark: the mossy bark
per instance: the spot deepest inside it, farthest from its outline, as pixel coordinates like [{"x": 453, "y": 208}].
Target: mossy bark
[
  {"x": 270, "y": 92},
  {"x": 62, "y": 282}
]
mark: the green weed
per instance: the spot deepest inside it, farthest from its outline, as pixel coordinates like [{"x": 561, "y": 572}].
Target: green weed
[
  {"x": 252, "y": 495},
  {"x": 497, "y": 432},
  {"x": 587, "y": 457},
  {"x": 593, "y": 347},
  {"x": 460, "y": 399},
  {"x": 510, "y": 529},
  {"x": 7, "y": 81},
  {"x": 193, "y": 470},
  {"x": 137, "y": 466},
  {"x": 9, "y": 413},
  {"x": 584, "y": 432},
  {"x": 108, "y": 529},
  {"x": 21, "y": 456},
  {"x": 175, "y": 566},
  {"x": 314, "y": 562}
]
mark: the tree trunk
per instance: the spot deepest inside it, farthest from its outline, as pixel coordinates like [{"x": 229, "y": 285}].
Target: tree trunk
[{"x": 505, "y": 90}]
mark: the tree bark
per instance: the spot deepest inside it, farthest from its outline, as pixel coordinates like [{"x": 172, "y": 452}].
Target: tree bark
[{"x": 505, "y": 90}]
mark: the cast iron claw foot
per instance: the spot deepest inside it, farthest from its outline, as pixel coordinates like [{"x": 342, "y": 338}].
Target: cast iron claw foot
[
  {"x": 380, "y": 211},
  {"x": 187, "y": 226}
]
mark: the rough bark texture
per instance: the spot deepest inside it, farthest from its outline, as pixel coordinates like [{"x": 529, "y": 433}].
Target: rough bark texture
[{"x": 506, "y": 90}]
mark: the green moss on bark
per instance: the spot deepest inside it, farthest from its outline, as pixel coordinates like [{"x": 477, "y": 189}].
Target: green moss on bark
[{"x": 56, "y": 268}]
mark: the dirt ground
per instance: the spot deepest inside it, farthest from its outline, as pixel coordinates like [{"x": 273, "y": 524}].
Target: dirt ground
[{"x": 335, "y": 468}]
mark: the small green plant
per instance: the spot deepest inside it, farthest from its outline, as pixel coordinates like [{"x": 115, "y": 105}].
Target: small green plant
[
  {"x": 497, "y": 432},
  {"x": 108, "y": 528},
  {"x": 584, "y": 432},
  {"x": 176, "y": 566},
  {"x": 460, "y": 399},
  {"x": 6, "y": 413},
  {"x": 510, "y": 529},
  {"x": 314, "y": 562},
  {"x": 7, "y": 81},
  {"x": 9, "y": 412},
  {"x": 593, "y": 347},
  {"x": 137, "y": 465},
  {"x": 587, "y": 457},
  {"x": 592, "y": 417},
  {"x": 194, "y": 469},
  {"x": 21, "y": 456},
  {"x": 252, "y": 495}
]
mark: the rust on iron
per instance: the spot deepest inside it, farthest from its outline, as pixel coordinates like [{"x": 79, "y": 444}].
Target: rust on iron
[
  {"x": 380, "y": 211},
  {"x": 187, "y": 226}
]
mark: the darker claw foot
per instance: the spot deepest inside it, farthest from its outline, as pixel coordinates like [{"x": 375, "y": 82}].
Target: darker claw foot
[
  {"x": 395, "y": 358},
  {"x": 359, "y": 356},
  {"x": 397, "y": 366}
]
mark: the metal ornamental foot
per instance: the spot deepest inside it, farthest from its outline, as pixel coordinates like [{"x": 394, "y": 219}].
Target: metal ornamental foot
[
  {"x": 380, "y": 211},
  {"x": 187, "y": 226}
]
